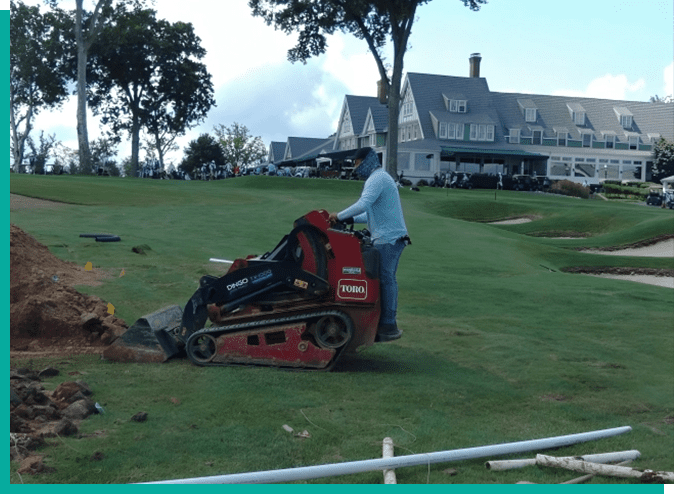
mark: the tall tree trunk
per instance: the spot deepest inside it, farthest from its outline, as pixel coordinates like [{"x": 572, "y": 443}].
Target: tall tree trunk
[
  {"x": 82, "y": 131},
  {"x": 401, "y": 27},
  {"x": 135, "y": 143},
  {"x": 82, "y": 55},
  {"x": 18, "y": 137}
]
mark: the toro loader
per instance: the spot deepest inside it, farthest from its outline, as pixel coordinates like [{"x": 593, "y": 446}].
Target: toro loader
[{"x": 302, "y": 305}]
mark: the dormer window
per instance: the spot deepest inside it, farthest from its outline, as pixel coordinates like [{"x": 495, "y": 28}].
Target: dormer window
[
  {"x": 633, "y": 141},
  {"x": 562, "y": 135},
  {"x": 609, "y": 140},
  {"x": 625, "y": 116},
  {"x": 577, "y": 113},
  {"x": 586, "y": 138},
  {"x": 529, "y": 109},
  {"x": 456, "y": 103},
  {"x": 514, "y": 137},
  {"x": 457, "y": 106}
]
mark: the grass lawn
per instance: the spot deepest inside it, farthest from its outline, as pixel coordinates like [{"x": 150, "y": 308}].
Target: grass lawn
[{"x": 499, "y": 344}]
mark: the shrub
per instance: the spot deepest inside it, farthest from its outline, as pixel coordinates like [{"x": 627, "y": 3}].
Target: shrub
[
  {"x": 569, "y": 188},
  {"x": 422, "y": 183}
]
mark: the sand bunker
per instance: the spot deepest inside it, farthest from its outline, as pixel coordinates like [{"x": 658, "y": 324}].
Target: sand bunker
[
  {"x": 664, "y": 248},
  {"x": 513, "y": 221}
]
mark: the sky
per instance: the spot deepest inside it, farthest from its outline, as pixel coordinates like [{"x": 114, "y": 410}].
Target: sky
[{"x": 598, "y": 48}]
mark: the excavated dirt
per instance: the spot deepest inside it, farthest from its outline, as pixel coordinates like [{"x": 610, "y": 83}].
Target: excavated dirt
[
  {"x": 48, "y": 317},
  {"x": 36, "y": 415}
]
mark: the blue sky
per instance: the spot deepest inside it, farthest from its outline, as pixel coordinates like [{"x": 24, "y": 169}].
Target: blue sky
[{"x": 598, "y": 48}]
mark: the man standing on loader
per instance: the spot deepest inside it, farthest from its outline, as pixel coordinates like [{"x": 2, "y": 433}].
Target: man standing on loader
[{"x": 379, "y": 206}]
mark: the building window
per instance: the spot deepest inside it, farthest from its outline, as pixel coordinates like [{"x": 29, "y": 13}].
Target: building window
[
  {"x": 624, "y": 115},
  {"x": 538, "y": 137},
  {"x": 634, "y": 142},
  {"x": 481, "y": 132},
  {"x": 457, "y": 105},
  {"x": 514, "y": 137},
  {"x": 561, "y": 138},
  {"x": 455, "y": 131},
  {"x": 587, "y": 140},
  {"x": 407, "y": 110},
  {"x": 579, "y": 118},
  {"x": 610, "y": 141},
  {"x": 530, "y": 114},
  {"x": 442, "y": 130}
]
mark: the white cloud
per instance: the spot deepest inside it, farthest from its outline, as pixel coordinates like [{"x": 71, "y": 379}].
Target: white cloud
[
  {"x": 608, "y": 86},
  {"x": 352, "y": 64}
]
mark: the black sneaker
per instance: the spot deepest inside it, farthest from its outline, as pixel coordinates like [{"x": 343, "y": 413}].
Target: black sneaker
[{"x": 387, "y": 332}]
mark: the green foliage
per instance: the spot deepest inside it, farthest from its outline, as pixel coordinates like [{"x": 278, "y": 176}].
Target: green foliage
[
  {"x": 202, "y": 151},
  {"x": 619, "y": 191},
  {"x": 499, "y": 344},
  {"x": 38, "y": 65},
  {"x": 569, "y": 188},
  {"x": 147, "y": 74},
  {"x": 663, "y": 159},
  {"x": 239, "y": 147}
]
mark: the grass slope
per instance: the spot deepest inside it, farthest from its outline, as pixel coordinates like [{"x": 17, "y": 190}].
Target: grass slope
[{"x": 499, "y": 345}]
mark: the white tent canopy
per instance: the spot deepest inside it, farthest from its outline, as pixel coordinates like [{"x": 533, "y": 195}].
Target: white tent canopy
[{"x": 667, "y": 181}]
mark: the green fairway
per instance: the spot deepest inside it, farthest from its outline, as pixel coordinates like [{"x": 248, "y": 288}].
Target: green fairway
[{"x": 499, "y": 343}]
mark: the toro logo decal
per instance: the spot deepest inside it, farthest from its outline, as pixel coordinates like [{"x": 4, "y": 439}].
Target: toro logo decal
[{"x": 352, "y": 289}]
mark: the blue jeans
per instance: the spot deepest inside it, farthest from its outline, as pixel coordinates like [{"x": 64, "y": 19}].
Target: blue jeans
[{"x": 388, "y": 265}]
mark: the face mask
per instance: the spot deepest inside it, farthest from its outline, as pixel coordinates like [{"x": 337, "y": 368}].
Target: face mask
[{"x": 368, "y": 165}]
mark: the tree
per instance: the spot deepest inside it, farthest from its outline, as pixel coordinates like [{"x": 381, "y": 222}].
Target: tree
[
  {"x": 659, "y": 99},
  {"x": 663, "y": 160},
  {"x": 38, "y": 69},
  {"x": 144, "y": 78},
  {"x": 238, "y": 146},
  {"x": 202, "y": 151},
  {"x": 87, "y": 26},
  {"x": 146, "y": 74},
  {"x": 39, "y": 153},
  {"x": 373, "y": 21}
]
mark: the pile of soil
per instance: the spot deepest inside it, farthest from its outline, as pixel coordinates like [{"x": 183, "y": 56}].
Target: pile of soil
[
  {"x": 37, "y": 414},
  {"x": 47, "y": 315}
]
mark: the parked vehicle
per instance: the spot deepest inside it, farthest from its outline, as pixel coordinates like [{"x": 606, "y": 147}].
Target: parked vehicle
[
  {"x": 655, "y": 196},
  {"x": 524, "y": 183},
  {"x": 460, "y": 180}
]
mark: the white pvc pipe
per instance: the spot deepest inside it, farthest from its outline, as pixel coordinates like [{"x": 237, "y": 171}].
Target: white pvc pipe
[
  {"x": 352, "y": 467},
  {"x": 387, "y": 452},
  {"x": 596, "y": 458}
]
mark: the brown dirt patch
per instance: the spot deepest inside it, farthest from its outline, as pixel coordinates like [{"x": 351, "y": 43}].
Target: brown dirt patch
[
  {"x": 17, "y": 203},
  {"x": 48, "y": 317}
]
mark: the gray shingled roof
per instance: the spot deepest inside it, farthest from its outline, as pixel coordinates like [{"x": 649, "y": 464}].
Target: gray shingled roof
[
  {"x": 428, "y": 90},
  {"x": 379, "y": 117},
  {"x": 276, "y": 150},
  {"x": 300, "y": 146},
  {"x": 358, "y": 107},
  {"x": 506, "y": 110},
  {"x": 600, "y": 115}
]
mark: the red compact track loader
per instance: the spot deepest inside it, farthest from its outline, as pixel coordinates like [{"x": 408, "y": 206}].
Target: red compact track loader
[{"x": 302, "y": 305}]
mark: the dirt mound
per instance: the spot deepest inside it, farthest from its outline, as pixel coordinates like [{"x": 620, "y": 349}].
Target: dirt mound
[{"x": 47, "y": 315}]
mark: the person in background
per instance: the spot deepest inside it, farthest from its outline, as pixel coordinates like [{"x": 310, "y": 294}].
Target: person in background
[{"x": 379, "y": 206}]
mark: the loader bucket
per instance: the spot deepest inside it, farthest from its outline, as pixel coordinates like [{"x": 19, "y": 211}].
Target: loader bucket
[{"x": 149, "y": 339}]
